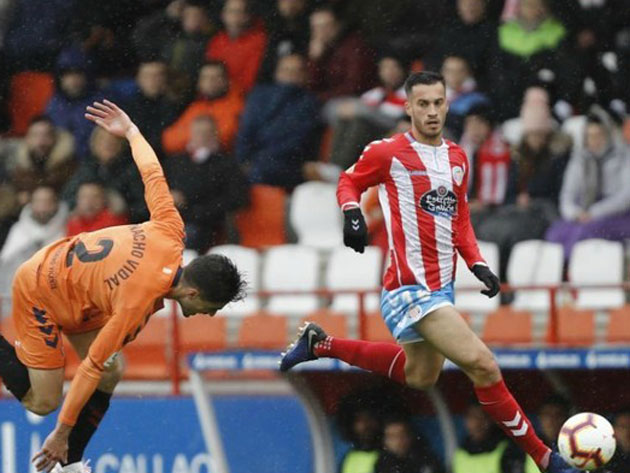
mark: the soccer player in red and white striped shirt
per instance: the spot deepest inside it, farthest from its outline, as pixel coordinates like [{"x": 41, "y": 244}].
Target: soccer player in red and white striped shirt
[{"x": 422, "y": 180}]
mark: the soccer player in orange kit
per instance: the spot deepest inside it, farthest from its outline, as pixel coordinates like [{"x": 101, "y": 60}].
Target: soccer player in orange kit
[{"x": 100, "y": 289}]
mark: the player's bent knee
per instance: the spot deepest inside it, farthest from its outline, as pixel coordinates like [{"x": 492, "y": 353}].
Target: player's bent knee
[
  {"x": 420, "y": 380},
  {"x": 484, "y": 368},
  {"x": 112, "y": 375},
  {"x": 42, "y": 406}
]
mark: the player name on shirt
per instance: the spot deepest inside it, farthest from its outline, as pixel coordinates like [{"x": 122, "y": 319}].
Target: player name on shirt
[{"x": 131, "y": 264}]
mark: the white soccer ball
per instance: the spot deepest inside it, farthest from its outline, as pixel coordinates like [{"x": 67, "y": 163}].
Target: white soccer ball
[{"x": 587, "y": 441}]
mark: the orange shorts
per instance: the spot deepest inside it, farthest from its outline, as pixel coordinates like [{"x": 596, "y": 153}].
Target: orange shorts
[{"x": 38, "y": 342}]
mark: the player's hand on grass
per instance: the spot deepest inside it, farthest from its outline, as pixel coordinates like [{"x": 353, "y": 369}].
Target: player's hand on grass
[
  {"x": 490, "y": 280},
  {"x": 355, "y": 234},
  {"x": 54, "y": 450},
  {"x": 112, "y": 118}
]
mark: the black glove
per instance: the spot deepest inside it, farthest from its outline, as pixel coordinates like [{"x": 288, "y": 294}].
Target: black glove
[
  {"x": 354, "y": 230},
  {"x": 483, "y": 273}
]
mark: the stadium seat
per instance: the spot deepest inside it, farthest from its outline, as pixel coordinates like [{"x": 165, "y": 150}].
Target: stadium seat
[
  {"x": 263, "y": 222},
  {"x": 376, "y": 330},
  {"x": 575, "y": 326},
  {"x": 291, "y": 268},
  {"x": 347, "y": 270},
  {"x": 29, "y": 93},
  {"x": 534, "y": 262},
  {"x": 247, "y": 260},
  {"x": 619, "y": 325},
  {"x": 473, "y": 301},
  {"x": 146, "y": 357},
  {"x": 202, "y": 333},
  {"x": 506, "y": 326},
  {"x": 263, "y": 331},
  {"x": 597, "y": 261},
  {"x": 333, "y": 323},
  {"x": 322, "y": 228}
]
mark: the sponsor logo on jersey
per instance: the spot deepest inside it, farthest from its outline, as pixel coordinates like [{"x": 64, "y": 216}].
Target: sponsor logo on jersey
[{"x": 440, "y": 202}]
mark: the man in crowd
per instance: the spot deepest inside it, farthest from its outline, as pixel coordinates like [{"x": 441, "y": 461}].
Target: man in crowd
[
  {"x": 41, "y": 222},
  {"x": 151, "y": 107},
  {"x": 279, "y": 126},
  {"x": 92, "y": 210},
  {"x": 206, "y": 186},
  {"x": 216, "y": 97}
]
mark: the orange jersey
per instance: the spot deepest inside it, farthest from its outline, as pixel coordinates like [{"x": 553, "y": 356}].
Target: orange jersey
[{"x": 114, "y": 278}]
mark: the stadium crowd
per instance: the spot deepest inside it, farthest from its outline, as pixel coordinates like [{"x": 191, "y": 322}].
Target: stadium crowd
[{"x": 239, "y": 94}]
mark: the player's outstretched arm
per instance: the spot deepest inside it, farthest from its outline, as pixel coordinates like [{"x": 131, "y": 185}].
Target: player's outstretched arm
[{"x": 113, "y": 119}]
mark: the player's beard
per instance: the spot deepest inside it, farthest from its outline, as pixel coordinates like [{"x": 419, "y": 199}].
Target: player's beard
[{"x": 430, "y": 131}]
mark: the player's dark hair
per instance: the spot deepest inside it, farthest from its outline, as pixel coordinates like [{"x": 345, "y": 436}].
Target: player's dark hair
[
  {"x": 424, "y": 78},
  {"x": 217, "y": 278}
]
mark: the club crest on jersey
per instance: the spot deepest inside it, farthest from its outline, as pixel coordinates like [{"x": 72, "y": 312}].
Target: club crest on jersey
[
  {"x": 440, "y": 202},
  {"x": 458, "y": 175}
]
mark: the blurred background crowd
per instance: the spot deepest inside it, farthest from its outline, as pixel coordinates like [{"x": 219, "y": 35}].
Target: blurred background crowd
[
  {"x": 387, "y": 439},
  {"x": 246, "y": 98}
]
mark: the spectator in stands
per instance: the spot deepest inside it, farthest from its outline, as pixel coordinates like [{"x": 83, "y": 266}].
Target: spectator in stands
[
  {"x": 217, "y": 98},
  {"x": 591, "y": 30},
  {"x": 552, "y": 414},
  {"x": 91, "y": 212},
  {"x": 153, "y": 31},
  {"x": 185, "y": 52},
  {"x": 36, "y": 32},
  {"x": 279, "y": 127},
  {"x": 461, "y": 92},
  {"x": 44, "y": 156},
  {"x": 533, "y": 178},
  {"x": 151, "y": 108},
  {"x": 529, "y": 51},
  {"x": 102, "y": 30},
  {"x": 340, "y": 62},
  {"x": 357, "y": 121},
  {"x": 287, "y": 27},
  {"x": 485, "y": 448},
  {"x": 109, "y": 162},
  {"x": 620, "y": 463},
  {"x": 74, "y": 92},
  {"x": 490, "y": 163},
  {"x": 595, "y": 197},
  {"x": 469, "y": 34},
  {"x": 41, "y": 222},
  {"x": 240, "y": 44},
  {"x": 404, "y": 451},
  {"x": 206, "y": 186},
  {"x": 364, "y": 433}
]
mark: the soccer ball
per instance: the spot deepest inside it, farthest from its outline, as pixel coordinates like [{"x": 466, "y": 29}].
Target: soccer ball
[{"x": 587, "y": 441}]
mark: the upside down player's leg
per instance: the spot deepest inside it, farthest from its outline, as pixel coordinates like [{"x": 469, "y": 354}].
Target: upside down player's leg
[
  {"x": 96, "y": 407},
  {"x": 33, "y": 370}
]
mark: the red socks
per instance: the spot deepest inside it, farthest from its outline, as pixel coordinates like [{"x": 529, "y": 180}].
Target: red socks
[
  {"x": 498, "y": 403},
  {"x": 386, "y": 359}
]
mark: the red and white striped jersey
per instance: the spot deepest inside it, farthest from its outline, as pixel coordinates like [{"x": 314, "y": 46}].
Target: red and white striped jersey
[{"x": 422, "y": 192}]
